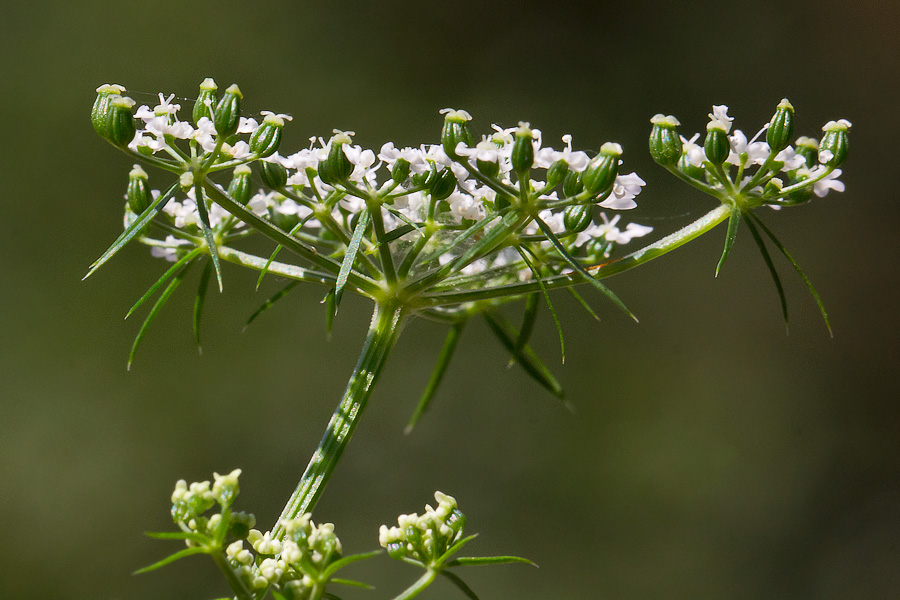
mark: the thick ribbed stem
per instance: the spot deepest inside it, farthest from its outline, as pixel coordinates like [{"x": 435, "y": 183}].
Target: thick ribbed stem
[{"x": 382, "y": 334}]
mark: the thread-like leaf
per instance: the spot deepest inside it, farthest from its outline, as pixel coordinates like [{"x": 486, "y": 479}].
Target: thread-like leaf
[
  {"x": 160, "y": 302},
  {"x": 806, "y": 280},
  {"x": 771, "y": 266},
  {"x": 460, "y": 584},
  {"x": 540, "y": 280},
  {"x": 583, "y": 303},
  {"x": 437, "y": 374},
  {"x": 532, "y": 304},
  {"x": 172, "y": 558},
  {"x": 466, "y": 561},
  {"x": 134, "y": 229},
  {"x": 164, "y": 278},
  {"x": 350, "y": 257},
  {"x": 208, "y": 232},
  {"x": 271, "y": 300},
  {"x": 343, "y": 562},
  {"x": 278, "y": 248},
  {"x": 734, "y": 219},
  {"x": 200, "y": 301},
  {"x": 526, "y": 357}
]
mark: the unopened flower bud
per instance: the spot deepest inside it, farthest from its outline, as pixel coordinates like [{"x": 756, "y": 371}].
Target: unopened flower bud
[
  {"x": 455, "y": 130},
  {"x": 443, "y": 185},
  {"x": 781, "y": 127},
  {"x": 119, "y": 128},
  {"x": 601, "y": 173},
  {"x": 267, "y": 137},
  {"x": 273, "y": 174},
  {"x": 239, "y": 188},
  {"x": 101, "y": 106},
  {"x": 716, "y": 146},
  {"x": 773, "y": 187},
  {"x": 228, "y": 112},
  {"x": 557, "y": 173},
  {"x": 138, "y": 195},
  {"x": 523, "y": 150},
  {"x": 835, "y": 143},
  {"x": 577, "y": 218},
  {"x": 336, "y": 167},
  {"x": 573, "y": 184},
  {"x": 488, "y": 168},
  {"x": 206, "y": 101},
  {"x": 665, "y": 143},
  {"x": 400, "y": 170}
]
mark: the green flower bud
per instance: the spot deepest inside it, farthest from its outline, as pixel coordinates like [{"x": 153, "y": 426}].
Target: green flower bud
[
  {"x": 573, "y": 184},
  {"x": 228, "y": 112},
  {"x": 557, "y": 172},
  {"x": 400, "y": 170},
  {"x": 267, "y": 137},
  {"x": 523, "y": 150},
  {"x": 716, "y": 145},
  {"x": 101, "y": 106},
  {"x": 488, "y": 168},
  {"x": 455, "y": 130},
  {"x": 421, "y": 179},
  {"x": 206, "y": 101},
  {"x": 835, "y": 143},
  {"x": 283, "y": 221},
  {"x": 601, "y": 173},
  {"x": 336, "y": 167},
  {"x": 577, "y": 217},
  {"x": 119, "y": 128},
  {"x": 773, "y": 188},
  {"x": 665, "y": 143},
  {"x": 239, "y": 188},
  {"x": 808, "y": 148},
  {"x": 241, "y": 524},
  {"x": 138, "y": 194},
  {"x": 273, "y": 174},
  {"x": 443, "y": 185},
  {"x": 781, "y": 127}
]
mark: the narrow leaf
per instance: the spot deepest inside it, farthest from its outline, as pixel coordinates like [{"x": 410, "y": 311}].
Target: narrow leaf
[
  {"x": 583, "y": 303},
  {"x": 437, "y": 374},
  {"x": 734, "y": 219},
  {"x": 460, "y": 584},
  {"x": 526, "y": 358},
  {"x": 343, "y": 562},
  {"x": 177, "y": 535},
  {"x": 330, "y": 309},
  {"x": 581, "y": 269},
  {"x": 540, "y": 281},
  {"x": 466, "y": 561},
  {"x": 532, "y": 304},
  {"x": 165, "y": 277},
  {"x": 272, "y": 300},
  {"x": 350, "y": 257},
  {"x": 278, "y": 248},
  {"x": 787, "y": 255},
  {"x": 768, "y": 260},
  {"x": 172, "y": 558},
  {"x": 330, "y": 596},
  {"x": 170, "y": 289},
  {"x": 208, "y": 232},
  {"x": 456, "y": 547},
  {"x": 200, "y": 300},
  {"x": 134, "y": 229},
  {"x": 352, "y": 583}
]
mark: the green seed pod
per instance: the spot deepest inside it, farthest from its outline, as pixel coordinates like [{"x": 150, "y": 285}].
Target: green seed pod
[
  {"x": 557, "y": 172},
  {"x": 573, "y": 184},
  {"x": 206, "y": 101},
  {"x": 523, "y": 150},
  {"x": 283, "y": 221},
  {"x": 665, "y": 143},
  {"x": 138, "y": 194},
  {"x": 488, "y": 168},
  {"x": 808, "y": 148},
  {"x": 577, "y": 217},
  {"x": 455, "y": 130},
  {"x": 273, "y": 174},
  {"x": 781, "y": 127},
  {"x": 101, "y": 106},
  {"x": 835, "y": 144},
  {"x": 400, "y": 170},
  {"x": 119, "y": 128},
  {"x": 803, "y": 194},
  {"x": 267, "y": 137},
  {"x": 601, "y": 173},
  {"x": 716, "y": 145},
  {"x": 228, "y": 112},
  {"x": 336, "y": 167},
  {"x": 773, "y": 187},
  {"x": 421, "y": 179},
  {"x": 239, "y": 188},
  {"x": 443, "y": 185}
]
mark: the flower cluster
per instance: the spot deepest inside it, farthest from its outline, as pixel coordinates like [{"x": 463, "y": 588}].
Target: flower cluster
[
  {"x": 191, "y": 502},
  {"x": 782, "y": 174},
  {"x": 425, "y": 538}
]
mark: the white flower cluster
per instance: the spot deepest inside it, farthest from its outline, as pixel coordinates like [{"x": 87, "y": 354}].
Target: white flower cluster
[
  {"x": 189, "y": 502},
  {"x": 424, "y": 537},
  {"x": 295, "y": 564}
]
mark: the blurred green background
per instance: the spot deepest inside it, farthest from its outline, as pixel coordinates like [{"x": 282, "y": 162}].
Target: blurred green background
[{"x": 710, "y": 456}]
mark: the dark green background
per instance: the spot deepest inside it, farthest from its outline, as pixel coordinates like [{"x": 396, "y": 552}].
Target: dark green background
[{"x": 710, "y": 456}]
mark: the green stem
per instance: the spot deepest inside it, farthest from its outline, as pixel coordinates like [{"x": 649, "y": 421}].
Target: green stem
[
  {"x": 382, "y": 334},
  {"x": 421, "y": 583}
]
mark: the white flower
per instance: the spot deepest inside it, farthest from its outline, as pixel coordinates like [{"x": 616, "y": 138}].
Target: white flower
[
  {"x": 625, "y": 190},
  {"x": 827, "y": 183},
  {"x": 695, "y": 153},
  {"x": 757, "y": 152},
  {"x": 720, "y": 116}
]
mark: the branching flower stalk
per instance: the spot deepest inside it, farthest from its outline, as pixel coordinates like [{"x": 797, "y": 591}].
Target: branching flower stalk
[{"x": 445, "y": 232}]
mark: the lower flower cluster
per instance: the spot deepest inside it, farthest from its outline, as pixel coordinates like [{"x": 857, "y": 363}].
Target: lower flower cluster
[{"x": 426, "y": 537}]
